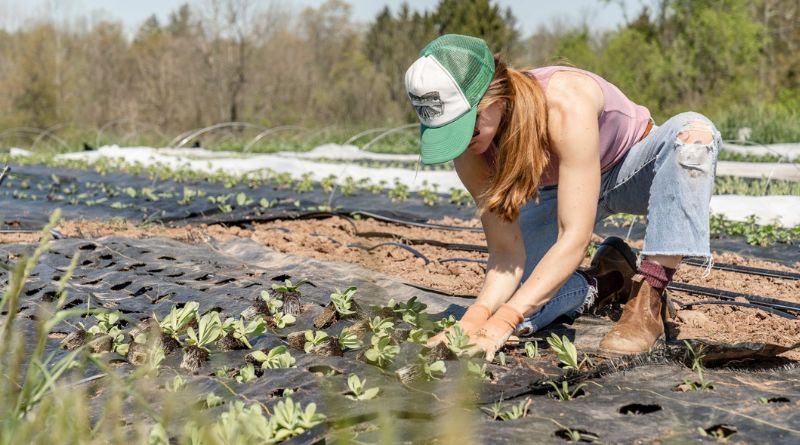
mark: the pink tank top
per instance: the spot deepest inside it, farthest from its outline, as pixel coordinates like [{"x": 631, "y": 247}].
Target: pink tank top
[{"x": 621, "y": 122}]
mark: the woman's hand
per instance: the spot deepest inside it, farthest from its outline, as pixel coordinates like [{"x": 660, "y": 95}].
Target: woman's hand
[
  {"x": 495, "y": 331},
  {"x": 471, "y": 321}
]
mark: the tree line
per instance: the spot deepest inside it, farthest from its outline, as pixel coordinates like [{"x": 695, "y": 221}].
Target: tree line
[{"x": 240, "y": 60}]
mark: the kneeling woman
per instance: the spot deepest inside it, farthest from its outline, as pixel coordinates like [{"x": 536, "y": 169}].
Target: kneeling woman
[{"x": 546, "y": 153}]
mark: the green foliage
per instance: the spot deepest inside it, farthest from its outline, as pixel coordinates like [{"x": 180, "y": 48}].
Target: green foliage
[
  {"x": 567, "y": 353},
  {"x": 288, "y": 287},
  {"x": 532, "y": 349},
  {"x": 342, "y": 301},
  {"x": 349, "y": 340},
  {"x": 478, "y": 370},
  {"x": 282, "y": 320},
  {"x": 209, "y": 330},
  {"x": 382, "y": 352},
  {"x": 358, "y": 389},
  {"x": 277, "y": 357},
  {"x": 517, "y": 411},
  {"x": 457, "y": 340},
  {"x": 241, "y": 332},
  {"x": 565, "y": 392},
  {"x": 435, "y": 370},
  {"x": 108, "y": 324},
  {"x": 178, "y": 319},
  {"x": 754, "y": 234},
  {"x": 697, "y": 366},
  {"x": 381, "y": 326},
  {"x": 314, "y": 339},
  {"x": 274, "y": 305},
  {"x": 247, "y": 373}
]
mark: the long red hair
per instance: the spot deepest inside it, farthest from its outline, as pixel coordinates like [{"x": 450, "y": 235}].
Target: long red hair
[{"x": 521, "y": 143}]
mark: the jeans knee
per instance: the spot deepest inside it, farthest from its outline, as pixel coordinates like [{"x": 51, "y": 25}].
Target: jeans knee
[{"x": 697, "y": 143}]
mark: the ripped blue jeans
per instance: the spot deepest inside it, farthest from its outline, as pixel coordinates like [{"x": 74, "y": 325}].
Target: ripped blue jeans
[{"x": 667, "y": 176}]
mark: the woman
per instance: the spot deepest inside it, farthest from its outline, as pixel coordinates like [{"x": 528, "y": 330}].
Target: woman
[{"x": 547, "y": 153}]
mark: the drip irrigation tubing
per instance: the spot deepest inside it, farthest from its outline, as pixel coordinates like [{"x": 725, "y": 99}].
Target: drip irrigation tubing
[
  {"x": 448, "y": 246},
  {"x": 729, "y": 295},
  {"x": 745, "y": 269},
  {"x": 463, "y": 260},
  {"x": 413, "y": 251},
  {"x": 777, "y": 312},
  {"x": 413, "y": 223}
]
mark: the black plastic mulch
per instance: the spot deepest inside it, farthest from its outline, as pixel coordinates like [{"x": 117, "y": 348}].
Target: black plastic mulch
[{"x": 625, "y": 400}]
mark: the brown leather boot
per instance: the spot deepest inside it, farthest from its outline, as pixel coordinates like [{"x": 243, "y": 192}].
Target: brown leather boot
[
  {"x": 613, "y": 254},
  {"x": 641, "y": 323}
]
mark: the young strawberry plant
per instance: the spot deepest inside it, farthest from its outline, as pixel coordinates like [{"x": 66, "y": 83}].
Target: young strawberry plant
[
  {"x": 382, "y": 352},
  {"x": 282, "y": 320},
  {"x": 236, "y": 333},
  {"x": 277, "y": 357},
  {"x": 321, "y": 343},
  {"x": 108, "y": 325},
  {"x": 349, "y": 340},
  {"x": 358, "y": 389},
  {"x": 457, "y": 340},
  {"x": 381, "y": 326},
  {"x": 565, "y": 393},
  {"x": 567, "y": 353},
  {"x": 209, "y": 330}
]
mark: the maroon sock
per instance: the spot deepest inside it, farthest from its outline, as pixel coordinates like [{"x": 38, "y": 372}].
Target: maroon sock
[{"x": 657, "y": 275}]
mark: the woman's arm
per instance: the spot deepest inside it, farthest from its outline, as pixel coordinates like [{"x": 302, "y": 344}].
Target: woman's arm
[
  {"x": 504, "y": 240},
  {"x": 574, "y": 138}
]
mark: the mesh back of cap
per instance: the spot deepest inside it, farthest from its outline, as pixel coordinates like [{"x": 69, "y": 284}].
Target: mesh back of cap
[{"x": 469, "y": 61}]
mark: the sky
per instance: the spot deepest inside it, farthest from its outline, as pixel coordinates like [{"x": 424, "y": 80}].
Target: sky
[{"x": 530, "y": 13}]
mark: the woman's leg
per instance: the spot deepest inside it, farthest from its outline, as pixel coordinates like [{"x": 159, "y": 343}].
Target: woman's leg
[
  {"x": 669, "y": 176},
  {"x": 539, "y": 226}
]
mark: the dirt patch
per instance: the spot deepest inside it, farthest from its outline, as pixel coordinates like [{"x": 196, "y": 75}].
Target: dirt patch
[{"x": 733, "y": 324}]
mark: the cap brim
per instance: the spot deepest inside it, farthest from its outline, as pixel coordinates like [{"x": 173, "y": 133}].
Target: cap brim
[{"x": 445, "y": 143}]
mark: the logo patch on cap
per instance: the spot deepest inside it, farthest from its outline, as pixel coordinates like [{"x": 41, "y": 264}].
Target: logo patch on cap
[{"x": 428, "y": 106}]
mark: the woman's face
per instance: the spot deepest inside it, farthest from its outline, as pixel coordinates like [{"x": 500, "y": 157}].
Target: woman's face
[{"x": 485, "y": 128}]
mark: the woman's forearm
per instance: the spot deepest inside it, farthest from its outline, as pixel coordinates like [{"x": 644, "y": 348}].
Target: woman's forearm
[
  {"x": 503, "y": 274},
  {"x": 552, "y": 271}
]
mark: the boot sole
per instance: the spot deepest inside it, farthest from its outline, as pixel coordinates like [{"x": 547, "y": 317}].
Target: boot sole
[{"x": 613, "y": 352}]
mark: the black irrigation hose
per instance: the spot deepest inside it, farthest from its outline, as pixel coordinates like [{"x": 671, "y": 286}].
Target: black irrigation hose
[
  {"x": 777, "y": 312},
  {"x": 728, "y": 295},
  {"x": 413, "y": 251},
  {"x": 463, "y": 260},
  {"x": 745, "y": 269},
  {"x": 448, "y": 246},
  {"x": 416, "y": 224}
]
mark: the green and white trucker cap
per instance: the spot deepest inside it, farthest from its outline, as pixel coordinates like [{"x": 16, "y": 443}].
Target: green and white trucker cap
[{"x": 445, "y": 85}]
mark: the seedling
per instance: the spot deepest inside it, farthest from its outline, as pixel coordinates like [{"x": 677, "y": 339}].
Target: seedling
[
  {"x": 243, "y": 200},
  {"x": 501, "y": 358},
  {"x": 288, "y": 287},
  {"x": 517, "y": 411},
  {"x": 358, "y": 391},
  {"x": 478, "y": 370},
  {"x": 177, "y": 319},
  {"x": 221, "y": 202},
  {"x": 457, "y": 340},
  {"x": 209, "y": 330},
  {"x": 328, "y": 183},
  {"x": 343, "y": 301},
  {"x": 314, "y": 339},
  {"x": 282, "y": 320},
  {"x": 107, "y": 324},
  {"x": 564, "y": 393},
  {"x": 238, "y": 330},
  {"x": 305, "y": 184},
  {"x": 400, "y": 191},
  {"x": 290, "y": 419},
  {"x": 445, "y": 323},
  {"x": 382, "y": 351},
  {"x": 429, "y": 194},
  {"x": 278, "y": 357},
  {"x": 349, "y": 340},
  {"x": 381, "y": 326},
  {"x": 410, "y": 310},
  {"x": 273, "y": 305},
  {"x": 567, "y": 353},
  {"x": 246, "y": 374},
  {"x": 418, "y": 335},
  {"x": 532, "y": 349},
  {"x": 697, "y": 366},
  {"x": 435, "y": 370}
]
